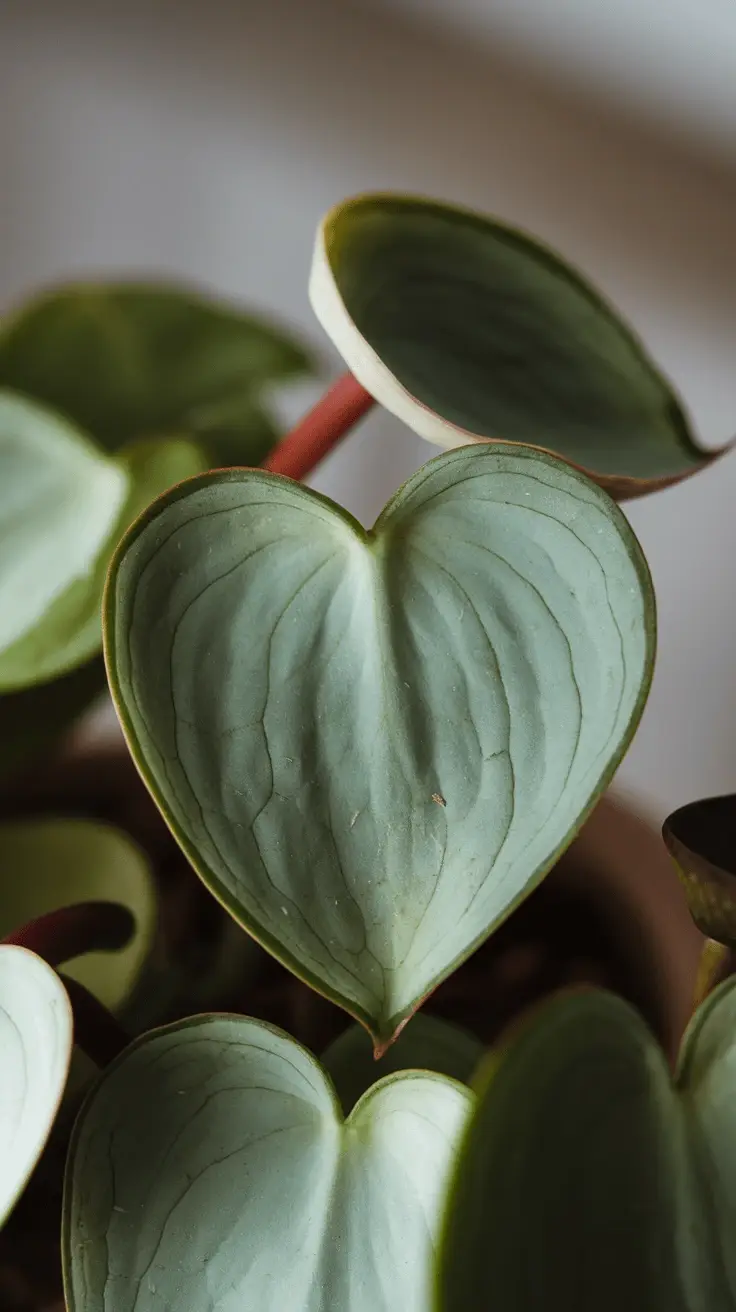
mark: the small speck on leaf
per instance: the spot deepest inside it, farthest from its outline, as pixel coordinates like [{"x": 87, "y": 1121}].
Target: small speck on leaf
[{"x": 439, "y": 799}]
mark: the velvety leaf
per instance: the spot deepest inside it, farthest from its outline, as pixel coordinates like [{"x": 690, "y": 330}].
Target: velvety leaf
[
  {"x": 469, "y": 330},
  {"x": 587, "y": 1179},
  {"x": 701, "y": 838},
  {"x": 211, "y": 1168},
  {"x": 35, "y": 1050},
  {"x": 373, "y": 745},
  {"x": 59, "y": 502},
  {"x": 47, "y": 864},
  {"x": 426, "y": 1043},
  {"x": 133, "y": 361}
]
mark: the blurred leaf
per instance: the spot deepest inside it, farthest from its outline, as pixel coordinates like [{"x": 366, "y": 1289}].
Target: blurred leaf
[
  {"x": 32, "y": 721},
  {"x": 469, "y": 330},
  {"x": 211, "y": 1168},
  {"x": 47, "y": 864},
  {"x": 68, "y": 632},
  {"x": 426, "y": 1043},
  {"x": 59, "y": 502},
  {"x": 35, "y": 1051},
  {"x": 133, "y": 361},
  {"x": 586, "y": 1180},
  {"x": 337, "y": 724},
  {"x": 235, "y": 434},
  {"x": 701, "y": 838}
]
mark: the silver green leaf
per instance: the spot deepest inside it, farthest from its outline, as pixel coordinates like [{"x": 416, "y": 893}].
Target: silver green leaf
[
  {"x": 588, "y": 1178},
  {"x": 60, "y": 500},
  {"x": 212, "y": 1168},
  {"x": 35, "y": 1051},
  {"x": 372, "y": 745},
  {"x": 470, "y": 330},
  {"x": 57, "y": 494}
]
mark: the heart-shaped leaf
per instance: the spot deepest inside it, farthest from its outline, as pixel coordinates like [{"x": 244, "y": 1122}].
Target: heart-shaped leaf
[
  {"x": 426, "y": 1043},
  {"x": 132, "y": 361},
  {"x": 35, "y": 1050},
  {"x": 59, "y": 502},
  {"x": 211, "y": 1168},
  {"x": 373, "y": 745},
  {"x": 701, "y": 838},
  {"x": 47, "y": 864},
  {"x": 587, "y": 1180},
  {"x": 469, "y": 330}
]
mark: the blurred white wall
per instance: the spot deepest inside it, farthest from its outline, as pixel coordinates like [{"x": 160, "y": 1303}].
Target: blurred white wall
[
  {"x": 206, "y": 140},
  {"x": 672, "y": 60}
]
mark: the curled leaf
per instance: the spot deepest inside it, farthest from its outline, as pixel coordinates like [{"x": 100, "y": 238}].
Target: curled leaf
[
  {"x": 35, "y": 1051},
  {"x": 469, "y": 330},
  {"x": 701, "y": 839}
]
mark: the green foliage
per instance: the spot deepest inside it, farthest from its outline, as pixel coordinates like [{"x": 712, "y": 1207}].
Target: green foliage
[
  {"x": 127, "y": 361},
  {"x": 426, "y": 1043},
  {"x": 60, "y": 501},
  {"x": 470, "y": 330},
  {"x": 35, "y": 1052},
  {"x": 47, "y": 864},
  {"x": 588, "y": 1178},
  {"x": 212, "y": 1167},
  {"x": 373, "y": 745},
  {"x": 109, "y": 395}
]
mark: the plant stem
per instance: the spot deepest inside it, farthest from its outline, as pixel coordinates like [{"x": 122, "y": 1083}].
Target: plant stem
[
  {"x": 61, "y": 935},
  {"x": 321, "y": 429},
  {"x": 97, "y": 1032}
]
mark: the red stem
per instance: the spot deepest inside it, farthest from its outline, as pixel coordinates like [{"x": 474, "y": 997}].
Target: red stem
[
  {"x": 96, "y": 1030},
  {"x": 61, "y": 935},
  {"x": 322, "y": 428}
]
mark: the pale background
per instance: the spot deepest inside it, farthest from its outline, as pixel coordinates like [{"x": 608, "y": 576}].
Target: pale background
[{"x": 206, "y": 139}]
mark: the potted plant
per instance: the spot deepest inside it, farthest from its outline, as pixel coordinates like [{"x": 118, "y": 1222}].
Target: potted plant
[{"x": 372, "y": 746}]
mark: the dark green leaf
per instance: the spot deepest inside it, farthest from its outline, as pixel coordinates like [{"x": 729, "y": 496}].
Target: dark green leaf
[
  {"x": 469, "y": 330},
  {"x": 587, "y": 1180},
  {"x": 426, "y": 1043},
  {"x": 132, "y": 361}
]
